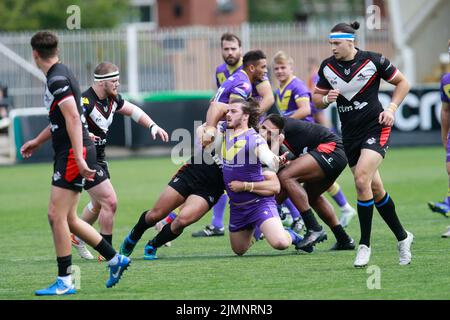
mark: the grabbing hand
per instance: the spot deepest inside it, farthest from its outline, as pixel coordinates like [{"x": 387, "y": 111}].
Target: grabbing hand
[
  {"x": 237, "y": 186},
  {"x": 208, "y": 136}
]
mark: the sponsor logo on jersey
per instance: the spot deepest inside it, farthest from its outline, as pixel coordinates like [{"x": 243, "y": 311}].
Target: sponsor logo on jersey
[
  {"x": 356, "y": 106},
  {"x": 347, "y": 71},
  {"x": 84, "y": 100}
]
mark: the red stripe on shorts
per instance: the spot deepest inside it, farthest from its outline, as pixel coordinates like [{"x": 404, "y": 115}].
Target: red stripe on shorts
[
  {"x": 328, "y": 147},
  {"x": 71, "y": 166},
  {"x": 385, "y": 132}
]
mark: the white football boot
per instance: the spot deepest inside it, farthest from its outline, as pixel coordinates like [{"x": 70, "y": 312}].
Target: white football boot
[
  {"x": 404, "y": 249},
  {"x": 80, "y": 245},
  {"x": 362, "y": 256}
]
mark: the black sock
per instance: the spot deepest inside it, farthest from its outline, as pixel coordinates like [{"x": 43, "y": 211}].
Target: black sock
[
  {"x": 340, "y": 234},
  {"x": 105, "y": 249},
  {"x": 64, "y": 265},
  {"x": 310, "y": 220},
  {"x": 140, "y": 228},
  {"x": 107, "y": 237},
  {"x": 164, "y": 236},
  {"x": 365, "y": 214},
  {"x": 386, "y": 208}
]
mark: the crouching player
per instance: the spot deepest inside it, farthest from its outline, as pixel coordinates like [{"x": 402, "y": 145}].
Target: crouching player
[{"x": 251, "y": 192}]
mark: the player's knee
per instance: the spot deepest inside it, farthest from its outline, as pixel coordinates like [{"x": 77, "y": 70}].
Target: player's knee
[
  {"x": 72, "y": 220},
  {"x": 280, "y": 243},
  {"x": 283, "y": 175},
  {"x": 286, "y": 181},
  {"x": 239, "y": 250},
  {"x": 110, "y": 204},
  {"x": 179, "y": 224},
  {"x": 362, "y": 183},
  {"x": 156, "y": 214},
  {"x": 53, "y": 216}
]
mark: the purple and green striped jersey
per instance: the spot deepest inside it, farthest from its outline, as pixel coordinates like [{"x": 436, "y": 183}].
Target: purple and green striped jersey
[
  {"x": 237, "y": 85},
  {"x": 224, "y": 71},
  {"x": 240, "y": 162},
  {"x": 286, "y": 98},
  {"x": 445, "y": 88}
]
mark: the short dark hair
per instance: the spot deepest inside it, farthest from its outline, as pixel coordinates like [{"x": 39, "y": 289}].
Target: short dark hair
[
  {"x": 45, "y": 43},
  {"x": 252, "y": 57},
  {"x": 346, "y": 27},
  {"x": 250, "y": 107},
  {"x": 227, "y": 36},
  {"x": 277, "y": 120}
]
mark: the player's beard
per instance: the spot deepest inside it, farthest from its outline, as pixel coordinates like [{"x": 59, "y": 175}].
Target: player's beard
[
  {"x": 112, "y": 92},
  {"x": 232, "y": 61}
]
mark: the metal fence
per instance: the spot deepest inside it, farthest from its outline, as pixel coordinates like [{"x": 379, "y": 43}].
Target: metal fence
[{"x": 181, "y": 59}]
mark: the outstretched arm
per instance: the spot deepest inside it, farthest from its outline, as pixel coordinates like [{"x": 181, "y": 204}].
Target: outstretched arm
[{"x": 139, "y": 116}]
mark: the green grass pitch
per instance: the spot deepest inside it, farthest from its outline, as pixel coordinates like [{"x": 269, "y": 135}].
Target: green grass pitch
[{"x": 196, "y": 268}]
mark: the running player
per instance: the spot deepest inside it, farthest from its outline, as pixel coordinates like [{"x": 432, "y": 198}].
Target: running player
[
  {"x": 317, "y": 169},
  {"x": 100, "y": 102},
  {"x": 444, "y": 206},
  {"x": 293, "y": 99},
  {"x": 351, "y": 77},
  {"x": 74, "y": 163}
]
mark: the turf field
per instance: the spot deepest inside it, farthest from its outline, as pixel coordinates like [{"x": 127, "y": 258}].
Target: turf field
[{"x": 202, "y": 268}]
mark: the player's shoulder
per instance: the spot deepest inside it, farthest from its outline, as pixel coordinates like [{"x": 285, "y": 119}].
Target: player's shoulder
[
  {"x": 297, "y": 82},
  {"x": 376, "y": 57},
  {"x": 445, "y": 79},
  {"x": 57, "y": 73},
  {"x": 255, "y": 136},
  {"x": 221, "y": 68},
  {"x": 326, "y": 61},
  {"x": 88, "y": 97}
]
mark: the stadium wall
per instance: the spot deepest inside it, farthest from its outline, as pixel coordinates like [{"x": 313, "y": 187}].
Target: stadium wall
[{"x": 417, "y": 121}]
